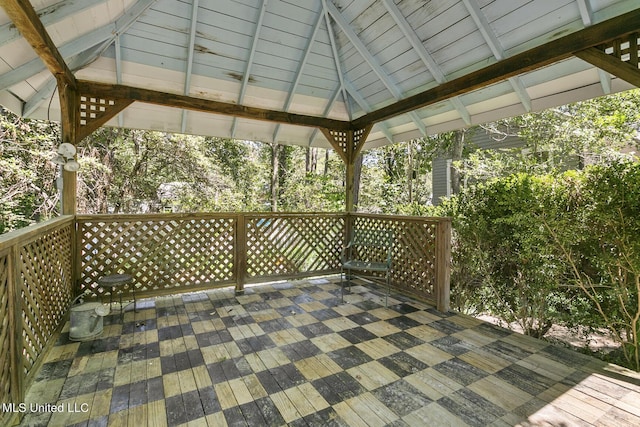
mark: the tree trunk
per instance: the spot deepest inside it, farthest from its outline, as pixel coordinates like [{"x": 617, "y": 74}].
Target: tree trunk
[
  {"x": 311, "y": 160},
  {"x": 410, "y": 170},
  {"x": 283, "y": 157},
  {"x": 275, "y": 173},
  {"x": 326, "y": 162}
]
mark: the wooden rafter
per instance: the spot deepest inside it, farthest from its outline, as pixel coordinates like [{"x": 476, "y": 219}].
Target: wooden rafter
[
  {"x": 26, "y": 20},
  {"x": 529, "y": 60}
]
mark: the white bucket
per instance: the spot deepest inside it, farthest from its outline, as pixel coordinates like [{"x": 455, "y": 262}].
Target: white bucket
[{"x": 86, "y": 321}]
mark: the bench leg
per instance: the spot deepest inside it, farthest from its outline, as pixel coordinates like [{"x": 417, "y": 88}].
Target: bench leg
[
  {"x": 342, "y": 276},
  {"x": 386, "y": 298}
]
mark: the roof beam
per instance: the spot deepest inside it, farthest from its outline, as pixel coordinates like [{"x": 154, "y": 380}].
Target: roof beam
[
  {"x": 424, "y": 55},
  {"x": 351, "y": 90},
  {"x": 497, "y": 49},
  {"x": 371, "y": 61},
  {"x": 336, "y": 58},
  {"x": 46, "y": 90},
  {"x": 326, "y": 111},
  {"x": 110, "y": 91},
  {"x": 586, "y": 12},
  {"x": 26, "y": 20},
  {"x": 523, "y": 62}
]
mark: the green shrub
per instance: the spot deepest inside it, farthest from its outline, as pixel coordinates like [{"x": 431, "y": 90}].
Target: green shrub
[{"x": 538, "y": 250}]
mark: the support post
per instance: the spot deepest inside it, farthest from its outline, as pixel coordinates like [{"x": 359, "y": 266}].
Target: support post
[
  {"x": 69, "y": 102},
  {"x": 443, "y": 264},
  {"x": 348, "y": 144},
  {"x": 15, "y": 325},
  {"x": 350, "y": 187},
  {"x": 241, "y": 254}
]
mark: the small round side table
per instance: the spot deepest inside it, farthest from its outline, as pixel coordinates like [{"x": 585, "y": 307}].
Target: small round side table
[{"x": 115, "y": 282}]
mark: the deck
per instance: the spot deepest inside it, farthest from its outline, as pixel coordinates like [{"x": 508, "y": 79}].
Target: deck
[{"x": 291, "y": 353}]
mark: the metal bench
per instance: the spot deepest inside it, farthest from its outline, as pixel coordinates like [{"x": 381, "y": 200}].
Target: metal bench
[{"x": 368, "y": 252}]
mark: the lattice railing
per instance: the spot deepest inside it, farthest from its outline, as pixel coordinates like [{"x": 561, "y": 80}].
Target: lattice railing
[
  {"x": 162, "y": 252},
  {"x": 292, "y": 244},
  {"x": 41, "y": 266},
  {"x": 414, "y": 251},
  {"x": 47, "y": 288},
  {"x": 36, "y": 288}
]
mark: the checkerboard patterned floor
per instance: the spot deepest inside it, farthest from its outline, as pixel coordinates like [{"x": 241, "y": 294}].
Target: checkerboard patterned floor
[{"x": 292, "y": 353}]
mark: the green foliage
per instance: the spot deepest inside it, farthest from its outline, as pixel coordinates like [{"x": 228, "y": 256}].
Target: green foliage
[
  {"x": 538, "y": 250},
  {"x": 596, "y": 233},
  {"x": 501, "y": 260},
  {"x": 396, "y": 178},
  {"x": 28, "y": 191}
]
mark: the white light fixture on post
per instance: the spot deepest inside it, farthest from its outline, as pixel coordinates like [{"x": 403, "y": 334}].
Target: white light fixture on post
[{"x": 65, "y": 157}]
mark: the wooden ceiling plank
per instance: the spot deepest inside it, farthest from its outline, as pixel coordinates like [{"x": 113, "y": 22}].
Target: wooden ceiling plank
[
  {"x": 372, "y": 62},
  {"x": 419, "y": 48},
  {"x": 26, "y": 20},
  {"x": 247, "y": 70},
  {"x": 529, "y": 60},
  {"x": 298, "y": 77},
  {"x": 111, "y": 91},
  {"x": 48, "y": 15}
]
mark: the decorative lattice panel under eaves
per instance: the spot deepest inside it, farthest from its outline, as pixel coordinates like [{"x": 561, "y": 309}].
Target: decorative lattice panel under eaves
[
  {"x": 413, "y": 256},
  {"x": 341, "y": 138},
  {"x": 293, "y": 244},
  {"x": 162, "y": 252},
  {"x": 5, "y": 338},
  {"x": 46, "y": 278},
  {"x": 625, "y": 49},
  {"x": 92, "y": 108}
]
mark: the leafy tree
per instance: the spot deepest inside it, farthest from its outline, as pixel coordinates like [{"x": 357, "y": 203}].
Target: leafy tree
[
  {"x": 397, "y": 178},
  {"x": 240, "y": 161},
  {"x": 566, "y": 137},
  {"x": 28, "y": 192},
  {"x": 596, "y": 233}
]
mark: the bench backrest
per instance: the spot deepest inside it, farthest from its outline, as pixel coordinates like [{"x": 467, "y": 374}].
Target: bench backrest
[{"x": 369, "y": 244}]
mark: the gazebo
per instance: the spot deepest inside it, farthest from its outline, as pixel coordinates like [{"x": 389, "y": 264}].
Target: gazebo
[{"x": 341, "y": 74}]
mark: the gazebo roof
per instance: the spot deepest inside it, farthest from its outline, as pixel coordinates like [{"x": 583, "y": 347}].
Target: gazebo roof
[{"x": 266, "y": 67}]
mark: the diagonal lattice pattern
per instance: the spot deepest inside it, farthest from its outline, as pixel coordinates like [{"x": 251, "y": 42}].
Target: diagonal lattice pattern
[
  {"x": 92, "y": 108},
  {"x": 413, "y": 267},
  {"x": 162, "y": 253},
  {"x": 293, "y": 244},
  {"x": 46, "y": 288}
]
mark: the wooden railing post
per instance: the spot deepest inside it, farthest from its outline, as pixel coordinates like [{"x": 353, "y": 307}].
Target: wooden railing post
[
  {"x": 241, "y": 254},
  {"x": 15, "y": 325},
  {"x": 443, "y": 264}
]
